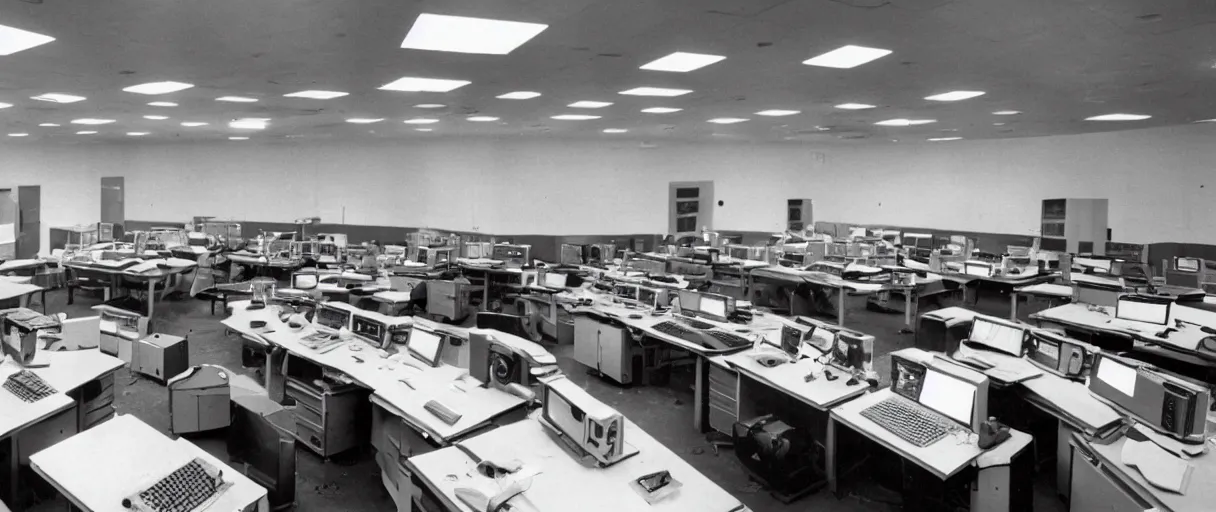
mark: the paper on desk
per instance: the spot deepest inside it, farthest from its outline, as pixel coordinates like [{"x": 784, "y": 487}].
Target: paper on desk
[
  {"x": 1170, "y": 444},
  {"x": 1159, "y": 467}
]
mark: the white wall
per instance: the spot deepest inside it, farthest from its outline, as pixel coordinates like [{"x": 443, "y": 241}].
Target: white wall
[{"x": 71, "y": 185}]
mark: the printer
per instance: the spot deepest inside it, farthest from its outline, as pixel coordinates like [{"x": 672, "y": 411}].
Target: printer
[{"x": 1168, "y": 403}]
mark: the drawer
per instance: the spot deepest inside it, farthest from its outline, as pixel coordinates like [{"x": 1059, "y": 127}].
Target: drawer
[
  {"x": 723, "y": 381},
  {"x": 311, "y": 436},
  {"x": 304, "y": 412},
  {"x": 717, "y": 399},
  {"x": 303, "y": 395},
  {"x": 721, "y": 420}
]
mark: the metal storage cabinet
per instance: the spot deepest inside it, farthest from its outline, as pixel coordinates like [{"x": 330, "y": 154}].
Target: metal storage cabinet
[
  {"x": 328, "y": 420},
  {"x": 605, "y": 348},
  {"x": 161, "y": 356}
]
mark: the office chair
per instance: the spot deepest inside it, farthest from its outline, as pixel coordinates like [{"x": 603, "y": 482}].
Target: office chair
[
  {"x": 510, "y": 324},
  {"x": 206, "y": 277},
  {"x": 87, "y": 280}
]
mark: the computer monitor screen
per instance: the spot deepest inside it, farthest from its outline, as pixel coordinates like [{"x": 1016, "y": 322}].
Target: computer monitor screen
[
  {"x": 948, "y": 395},
  {"x": 690, "y": 302},
  {"x": 333, "y": 318},
  {"x": 555, "y": 280},
  {"x": 713, "y": 307},
  {"x": 1142, "y": 310},
  {"x": 907, "y": 377},
  {"x": 973, "y": 269},
  {"x": 791, "y": 338},
  {"x": 849, "y": 350},
  {"x": 626, "y": 291},
  {"x": 649, "y": 297},
  {"x": 426, "y": 346},
  {"x": 1186, "y": 264},
  {"x": 1000, "y": 336},
  {"x": 304, "y": 281},
  {"x": 1117, "y": 375}
]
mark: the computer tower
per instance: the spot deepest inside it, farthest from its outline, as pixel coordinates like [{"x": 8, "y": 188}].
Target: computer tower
[
  {"x": 1004, "y": 483},
  {"x": 800, "y": 217},
  {"x": 943, "y": 330},
  {"x": 777, "y": 455},
  {"x": 160, "y": 356}
]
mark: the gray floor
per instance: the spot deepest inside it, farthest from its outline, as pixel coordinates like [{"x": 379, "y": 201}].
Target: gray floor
[{"x": 351, "y": 482}]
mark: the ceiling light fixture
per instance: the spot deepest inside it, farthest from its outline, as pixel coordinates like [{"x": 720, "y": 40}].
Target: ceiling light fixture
[
  {"x": 13, "y": 40},
  {"x": 459, "y": 34},
  {"x": 5, "y": 105},
  {"x": 192, "y": 124},
  {"x": 162, "y": 104},
  {"x": 236, "y": 99},
  {"x": 944, "y": 139},
  {"x": 656, "y": 91},
  {"x": 153, "y": 88},
  {"x": 156, "y": 118},
  {"x": 137, "y": 134},
  {"x": 661, "y": 110},
  {"x": 682, "y": 62},
  {"x": 317, "y": 95},
  {"x": 854, "y": 106},
  {"x": 247, "y": 124},
  {"x": 778, "y": 113},
  {"x": 573, "y": 117},
  {"x": 49, "y": 125},
  {"x": 727, "y": 120},
  {"x": 89, "y": 120},
  {"x": 1206, "y": 120},
  {"x": 1118, "y": 117},
  {"x": 998, "y": 124},
  {"x": 589, "y": 104},
  {"x": 57, "y": 97},
  {"x": 1007, "y": 112},
  {"x": 86, "y": 132},
  {"x": 414, "y": 84},
  {"x": 846, "y": 57},
  {"x": 421, "y": 120},
  {"x": 615, "y": 130},
  {"x": 905, "y": 122},
  {"x": 519, "y": 95},
  {"x": 955, "y": 96},
  {"x": 18, "y": 135},
  {"x": 423, "y": 129},
  {"x": 429, "y": 105},
  {"x": 238, "y": 138},
  {"x": 364, "y": 120},
  {"x": 482, "y": 119}
]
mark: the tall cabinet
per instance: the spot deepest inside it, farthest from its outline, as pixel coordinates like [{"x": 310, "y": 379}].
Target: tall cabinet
[
  {"x": 605, "y": 348},
  {"x": 1075, "y": 225}
]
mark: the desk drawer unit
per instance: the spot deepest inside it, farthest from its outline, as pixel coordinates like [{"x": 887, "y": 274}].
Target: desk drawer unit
[
  {"x": 326, "y": 420},
  {"x": 723, "y": 398}
]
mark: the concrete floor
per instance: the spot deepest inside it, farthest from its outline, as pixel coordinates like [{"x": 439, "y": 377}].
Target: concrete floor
[{"x": 351, "y": 482}]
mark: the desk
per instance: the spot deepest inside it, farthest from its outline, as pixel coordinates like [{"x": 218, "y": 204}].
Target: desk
[
  {"x": 562, "y": 483},
  {"x": 150, "y": 277},
  {"x": 1011, "y": 282},
  {"x": 98, "y": 468},
  {"x": 1053, "y": 294},
  {"x": 26, "y": 267},
  {"x": 1101, "y": 482},
  {"x": 1101, "y": 320},
  {"x": 13, "y": 294}
]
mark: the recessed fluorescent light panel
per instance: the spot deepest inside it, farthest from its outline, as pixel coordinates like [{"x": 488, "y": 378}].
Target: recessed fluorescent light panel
[
  {"x": 615, "y": 130},
  {"x": 89, "y": 120},
  {"x": 413, "y": 84},
  {"x": 847, "y": 57},
  {"x": 904, "y": 122},
  {"x": 955, "y": 96},
  {"x": 574, "y": 117},
  {"x": 1206, "y": 121},
  {"x": 317, "y": 95},
  {"x": 421, "y": 120},
  {"x": 192, "y": 124},
  {"x": 661, "y": 110},
  {"x": 589, "y": 104},
  {"x": 655, "y": 91},
  {"x": 482, "y": 119},
  {"x": 86, "y": 132},
  {"x": 236, "y": 99},
  {"x": 238, "y": 138},
  {"x": 778, "y": 113},
  {"x": 18, "y": 135},
  {"x": 158, "y": 87},
  {"x": 13, "y": 40},
  {"x": 727, "y": 120},
  {"x": 854, "y": 106},
  {"x": 364, "y": 120},
  {"x": 682, "y": 62},
  {"x": 5, "y": 105},
  {"x": 424, "y": 129},
  {"x": 1007, "y": 112},
  {"x": 519, "y": 95},
  {"x": 944, "y": 139},
  {"x": 49, "y": 125},
  {"x": 156, "y": 118},
  {"x": 247, "y": 124},
  {"x": 1118, "y": 117},
  {"x": 137, "y": 134},
  {"x": 56, "y": 97},
  {"x": 469, "y": 35},
  {"x": 162, "y": 104},
  {"x": 429, "y": 105}
]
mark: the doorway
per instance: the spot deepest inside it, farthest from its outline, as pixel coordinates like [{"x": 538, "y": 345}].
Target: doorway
[
  {"x": 112, "y": 196},
  {"x": 8, "y": 224},
  {"x": 29, "y": 221}
]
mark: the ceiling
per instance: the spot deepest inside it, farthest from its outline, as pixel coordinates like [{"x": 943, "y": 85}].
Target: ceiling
[{"x": 1057, "y": 61}]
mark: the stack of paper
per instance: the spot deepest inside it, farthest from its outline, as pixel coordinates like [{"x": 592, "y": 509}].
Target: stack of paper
[{"x": 1159, "y": 467}]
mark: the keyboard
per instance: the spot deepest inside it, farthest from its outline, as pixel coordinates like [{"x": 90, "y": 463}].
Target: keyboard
[
  {"x": 714, "y": 340},
  {"x": 696, "y": 324},
  {"x": 184, "y": 490},
  {"x": 909, "y": 421},
  {"x": 27, "y": 386},
  {"x": 679, "y": 330},
  {"x": 731, "y": 340}
]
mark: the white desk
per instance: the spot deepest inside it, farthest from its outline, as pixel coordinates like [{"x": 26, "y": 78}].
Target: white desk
[
  {"x": 10, "y": 290},
  {"x": 564, "y": 484},
  {"x": 1102, "y": 319},
  {"x": 1200, "y": 494},
  {"x": 1054, "y": 292},
  {"x": 18, "y": 415},
  {"x": 98, "y": 468},
  {"x": 821, "y": 393}
]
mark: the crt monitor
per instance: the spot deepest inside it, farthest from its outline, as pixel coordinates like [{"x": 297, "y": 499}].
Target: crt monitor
[
  {"x": 690, "y": 302},
  {"x": 1143, "y": 309},
  {"x": 304, "y": 281},
  {"x": 649, "y": 297},
  {"x": 948, "y": 395},
  {"x": 1000, "y": 336},
  {"x": 425, "y": 345},
  {"x": 850, "y": 351},
  {"x": 792, "y": 336},
  {"x": 1186, "y": 264},
  {"x": 555, "y": 279},
  {"x": 716, "y": 307}
]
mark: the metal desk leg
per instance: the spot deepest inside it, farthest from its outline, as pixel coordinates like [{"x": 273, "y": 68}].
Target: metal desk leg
[
  {"x": 698, "y": 408},
  {"x": 829, "y": 456},
  {"x": 840, "y": 308},
  {"x": 485, "y": 293},
  {"x": 1063, "y": 461},
  {"x": 151, "y": 300},
  {"x": 908, "y": 305},
  {"x": 1013, "y": 306}
]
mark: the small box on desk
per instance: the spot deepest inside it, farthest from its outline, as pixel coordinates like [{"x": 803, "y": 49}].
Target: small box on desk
[{"x": 161, "y": 356}]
